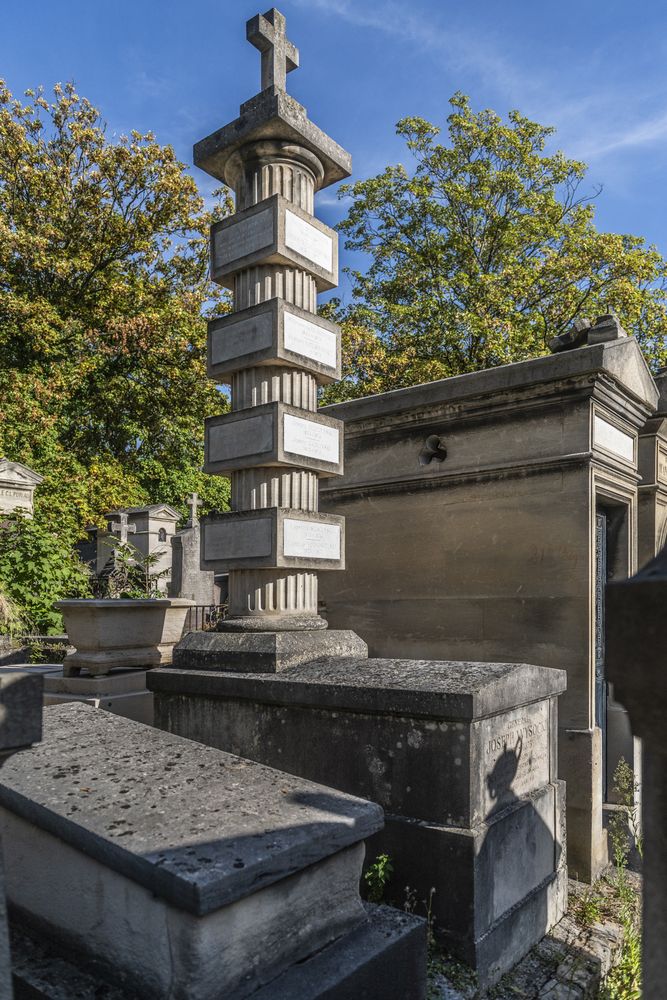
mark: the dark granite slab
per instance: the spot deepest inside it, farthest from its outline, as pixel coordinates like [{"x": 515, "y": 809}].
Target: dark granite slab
[
  {"x": 196, "y": 826},
  {"x": 435, "y": 688}
]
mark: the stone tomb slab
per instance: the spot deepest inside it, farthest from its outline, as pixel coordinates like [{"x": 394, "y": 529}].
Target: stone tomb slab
[
  {"x": 273, "y": 538},
  {"x": 212, "y": 874},
  {"x": 276, "y": 333},
  {"x": 462, "y": 756},
  {"x": 273, "y": 434},
  {"x": 274, "y": 231}
]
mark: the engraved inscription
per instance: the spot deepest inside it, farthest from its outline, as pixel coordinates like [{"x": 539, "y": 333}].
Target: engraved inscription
[
  {"x": 310, "y": 439},
  {"x": 310, "y": 340},
  {"x": 515, "y": 754},
  {"x": 309, "y": 241},
  {"x": 611, "y": 438},
  {"x": 250, "y": 436},
  {"x": 311, "y": 539},
  {"x": 662, "y": 465},
  {"x": 236, "y": 339},
  {"x": 244, "y": 237}
]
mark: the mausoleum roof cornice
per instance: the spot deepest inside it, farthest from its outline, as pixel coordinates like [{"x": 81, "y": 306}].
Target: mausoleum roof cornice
[{"x": 617, "y": 363}]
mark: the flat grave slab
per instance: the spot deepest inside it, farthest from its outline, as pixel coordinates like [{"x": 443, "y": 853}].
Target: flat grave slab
[{"x": 114, "y": 831}]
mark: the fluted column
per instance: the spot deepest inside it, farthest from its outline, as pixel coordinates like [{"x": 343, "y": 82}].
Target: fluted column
[{"x": 274, "y": 351}]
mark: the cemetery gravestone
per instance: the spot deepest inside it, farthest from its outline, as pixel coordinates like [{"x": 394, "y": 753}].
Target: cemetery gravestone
[
  {"x": 172, "y": 869},
  {"x": 461, "y": 755}
]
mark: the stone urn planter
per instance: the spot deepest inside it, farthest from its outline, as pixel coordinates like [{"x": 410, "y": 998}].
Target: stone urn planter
[{"x": 123, "y": 633}]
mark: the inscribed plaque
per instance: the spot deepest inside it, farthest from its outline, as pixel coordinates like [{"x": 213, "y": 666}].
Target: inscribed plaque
[
  {"x": 309, "y": 241},
  {"x": 311, "y": 539},
  {"x": 310, "y": 439},
  {"x": 310, "y": 340}
]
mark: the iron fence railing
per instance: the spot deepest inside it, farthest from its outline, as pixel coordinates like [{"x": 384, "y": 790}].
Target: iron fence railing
[{"x": 203, "y": 616}]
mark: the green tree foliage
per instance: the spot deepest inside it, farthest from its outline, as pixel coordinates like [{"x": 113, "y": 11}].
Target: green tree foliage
[
  {"x": 103, "y": 282},
  {"x": 482, "y": 254},
  {"x": 37, "y": 566}
]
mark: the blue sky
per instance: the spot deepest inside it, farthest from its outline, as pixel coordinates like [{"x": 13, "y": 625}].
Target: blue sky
[{"x": 594, "y": 70}]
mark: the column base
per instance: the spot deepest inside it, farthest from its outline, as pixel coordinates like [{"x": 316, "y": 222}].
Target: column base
[
  {"x": 263, "y": 652},
  {"x": 272, "y": 623}
]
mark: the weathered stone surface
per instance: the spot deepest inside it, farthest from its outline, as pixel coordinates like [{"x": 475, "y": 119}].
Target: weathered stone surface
[
  {"x": 459, "y": 691},
  {"x": 487, "y": 554},
  {"x": 275, "y": 231},
  {"x": 462, "y": 756},
  {"x": 263, "y": 652},
  {"x": 273, "y": 537},
  {"x": 575, "y": 336},
  {"x": 274, "y": 332},
  {"x": 17, "y": 487},
  {"x": 273, "y": 434},
  {"x": 271, "y": 115},
  {"x": 122, "y": 633},
  {"x": 134, "y": 799},
  {"x": 20, "y": 710},
  {"x": 213, "y": 875},
  {"x": 382, "y": 958}
]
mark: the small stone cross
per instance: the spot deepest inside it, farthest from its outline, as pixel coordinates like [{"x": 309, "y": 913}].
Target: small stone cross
[
  {"x": 122, "y": 528},
  {"x": 279, "y": 57},
  {"x": 193, "y": 502}
]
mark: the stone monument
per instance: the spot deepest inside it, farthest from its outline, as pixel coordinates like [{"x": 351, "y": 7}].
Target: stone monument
[
  {"x": 170, "y": 869},
  {"x": 461, "y": 755},
  {"x": 17, "y": 486},
  {"x": 274, "y": 350},
  {"x": 498, "y": 546},
  {"x": 188, "y": 579}
]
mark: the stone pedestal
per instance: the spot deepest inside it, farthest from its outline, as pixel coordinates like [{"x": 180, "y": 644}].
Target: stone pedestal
[
  {"x": 462, "y": 757},
  {"x": 175, "y": 869},
  {"x": 20, "y": 727}
]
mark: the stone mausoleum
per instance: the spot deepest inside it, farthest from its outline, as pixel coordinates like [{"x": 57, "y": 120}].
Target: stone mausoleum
[
  {"x": 486, "y": 512},
  {"x": 17, "y": 487}
]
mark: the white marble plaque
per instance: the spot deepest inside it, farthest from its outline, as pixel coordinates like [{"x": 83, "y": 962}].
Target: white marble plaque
[
  {"x": 311, "y": 439},
  {"x": 611, "y": 438},
  {"x": 234, "y": 439},
  {"x": 310, "y": 340},
  {"x": 236, "y": 339},
  {"x": 309, "y": 241},
  {"x": 311, "y": 539},
  {"x": 246, "y": 236}
]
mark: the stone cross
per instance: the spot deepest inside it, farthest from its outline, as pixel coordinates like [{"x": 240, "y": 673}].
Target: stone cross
[
  {"x": 121, "y": 529},
  {"x": 193, "y": 503},
  {"x": 279, "y": 57}
]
